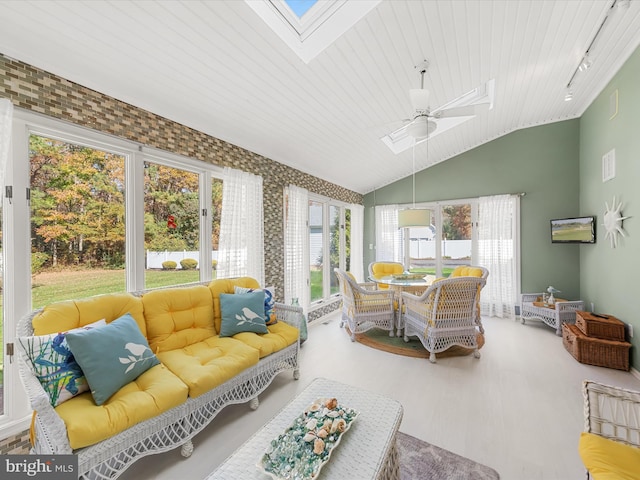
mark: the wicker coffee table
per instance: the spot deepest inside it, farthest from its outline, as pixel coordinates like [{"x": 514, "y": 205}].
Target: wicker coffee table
[
  {"x": 562, "y": 312},
  {"x": 367, "y": 450}
]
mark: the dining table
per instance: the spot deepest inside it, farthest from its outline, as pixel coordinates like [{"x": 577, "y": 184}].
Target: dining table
[{"x": 407, "y": 282}]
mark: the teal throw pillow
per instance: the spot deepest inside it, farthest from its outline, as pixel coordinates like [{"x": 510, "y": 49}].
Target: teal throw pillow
[
  {"x": 269, "y": 302},
  {"x": 242, "y": 313},
  {"x": 111, "y": 356},
  {"x": 55, "y": 366}
]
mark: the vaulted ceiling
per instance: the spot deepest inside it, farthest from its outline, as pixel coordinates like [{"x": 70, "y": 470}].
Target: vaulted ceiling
[{"x": 217, "y": 67}]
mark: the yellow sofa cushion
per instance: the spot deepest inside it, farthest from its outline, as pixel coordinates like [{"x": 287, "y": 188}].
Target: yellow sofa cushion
[
  {"x": 155, "y": 391},
  {"x": 607, "y": 459},
  {"x": 280, "y": 336},
  {"x": 207, "y": 364},
  {"x": 466, "y": 271},
  {"x": 178, "y": 317},
  {"x": 227, "y": 285},
  {"x": 65, "y": 316}
]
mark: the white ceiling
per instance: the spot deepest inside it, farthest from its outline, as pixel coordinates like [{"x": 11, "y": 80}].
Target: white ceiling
[{"x": 216, "y": 67}]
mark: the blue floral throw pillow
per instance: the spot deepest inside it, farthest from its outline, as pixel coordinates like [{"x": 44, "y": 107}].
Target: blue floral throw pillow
[
  {"x": 111, "y": 356},
  {"x": 55, "y": 366},
  {"x": 242, "y": 313},
  {"x": 269, "y": 302}
]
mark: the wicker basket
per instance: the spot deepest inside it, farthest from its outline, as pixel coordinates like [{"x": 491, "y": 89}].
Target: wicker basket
[
  {"x": 608, "y": 328},
  {"x": 595, "y": 351}
]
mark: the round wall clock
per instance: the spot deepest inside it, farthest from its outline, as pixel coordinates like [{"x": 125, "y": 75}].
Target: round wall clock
[{"x": 613, "y": 222}]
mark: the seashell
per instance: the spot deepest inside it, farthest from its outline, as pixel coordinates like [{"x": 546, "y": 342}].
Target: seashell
[
  {"x": 323, "y": 433},
  {"x": 325, "y": 411},
  {"x": 331, "y": 404},
  {"x": 338, "y": 425},
  {"x": 309, "y": 437},
  {"x": 311, "y": 424},
  {"x": 333, "y": 414},
  {"x": 314, "y": 407},
  {"x": 327, "y": 424},
  {"x": 318, "y": 446}
]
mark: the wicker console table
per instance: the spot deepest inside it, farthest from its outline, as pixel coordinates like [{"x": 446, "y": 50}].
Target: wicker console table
[
  {"x": 367, "y": 451},
  {"x": 564, "y": 311}
]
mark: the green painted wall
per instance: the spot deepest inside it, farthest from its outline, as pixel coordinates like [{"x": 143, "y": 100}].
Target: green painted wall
[
  {"x": 541, "y": 161},
  {"x": 607, "y": 275}
]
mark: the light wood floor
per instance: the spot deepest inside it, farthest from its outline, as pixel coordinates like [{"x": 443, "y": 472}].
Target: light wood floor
[{"x": 518, "y": 409}]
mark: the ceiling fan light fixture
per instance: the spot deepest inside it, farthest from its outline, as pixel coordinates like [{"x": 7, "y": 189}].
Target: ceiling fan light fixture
[{"x": 421, "y": 127}]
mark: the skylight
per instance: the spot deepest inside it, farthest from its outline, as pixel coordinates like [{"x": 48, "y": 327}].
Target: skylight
[
  {"x": 300, "y": 7},
  {"x": 310, "y": 26}
]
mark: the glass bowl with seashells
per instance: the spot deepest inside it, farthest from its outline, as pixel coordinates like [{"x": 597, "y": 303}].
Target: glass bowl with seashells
[{"x": 306, "y": 446}]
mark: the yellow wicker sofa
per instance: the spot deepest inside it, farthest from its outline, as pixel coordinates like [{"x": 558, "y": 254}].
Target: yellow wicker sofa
[{"x": 192, "y": 370}]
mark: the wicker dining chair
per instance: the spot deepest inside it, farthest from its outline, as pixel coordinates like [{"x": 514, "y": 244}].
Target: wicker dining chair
[
  {"x": 364, "y": 309},
  {"x": 444, "y": 315},
  {"x": 472, "y": 271}
]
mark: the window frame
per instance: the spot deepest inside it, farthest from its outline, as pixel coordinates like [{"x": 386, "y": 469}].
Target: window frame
[{"x": 17, "y": 219}]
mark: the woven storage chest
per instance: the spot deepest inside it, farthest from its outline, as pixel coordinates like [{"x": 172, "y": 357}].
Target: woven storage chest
[
  {"x": 595, "y": 351},
  {"x": 608, "y": 328}
]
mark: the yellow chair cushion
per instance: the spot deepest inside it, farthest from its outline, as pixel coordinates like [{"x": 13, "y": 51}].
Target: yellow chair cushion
[
  {"x": 382, "y": 269},
  {"x": 227, "y": 285},
  {"x": 64, "y": 316},
  {"x": 207, "y": 364},
  {"x": 280, "y": 336},
  {"x": 466, "y": 271},
  {"x": 178, "y": 317},
  {"x": 155, "y": 391},
  {"x": 607, "y": 459}
]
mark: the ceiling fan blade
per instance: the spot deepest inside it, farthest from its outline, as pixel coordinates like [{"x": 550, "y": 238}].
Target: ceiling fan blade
[
  {"x": 419, "y": 98},
  {"x": 466, "y": 111}
]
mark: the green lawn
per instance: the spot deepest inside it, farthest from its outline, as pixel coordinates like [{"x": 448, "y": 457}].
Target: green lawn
[{"x": 67, "y": 285}]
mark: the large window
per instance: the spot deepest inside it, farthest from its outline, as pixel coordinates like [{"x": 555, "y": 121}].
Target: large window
[
  {"x": 171, "y": 225},
  {"x": 77, "y": 220},
  {"x": 85, "y": 215},
  {"x": 440, "y": 247}
]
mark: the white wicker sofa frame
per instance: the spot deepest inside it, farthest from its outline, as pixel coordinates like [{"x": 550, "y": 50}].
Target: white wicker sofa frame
[{"x": 175, "y": 427}]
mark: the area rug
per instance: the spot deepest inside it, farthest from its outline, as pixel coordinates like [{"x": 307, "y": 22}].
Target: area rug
[
  {"x": 421, "y": 460},
  {"x": 380, "y": 339}
]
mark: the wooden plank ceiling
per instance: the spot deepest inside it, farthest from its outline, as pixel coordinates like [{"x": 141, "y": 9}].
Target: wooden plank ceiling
[{"x": 215, "y": 66}]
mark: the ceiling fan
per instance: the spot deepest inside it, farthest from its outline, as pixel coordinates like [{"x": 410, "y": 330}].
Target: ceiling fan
[{"x": 427, "y": 123}]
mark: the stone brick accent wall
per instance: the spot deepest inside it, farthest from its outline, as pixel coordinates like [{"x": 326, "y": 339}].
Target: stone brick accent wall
[
  {"x": 36, "y": 90},
  {"x": 15, "y": 444}
]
